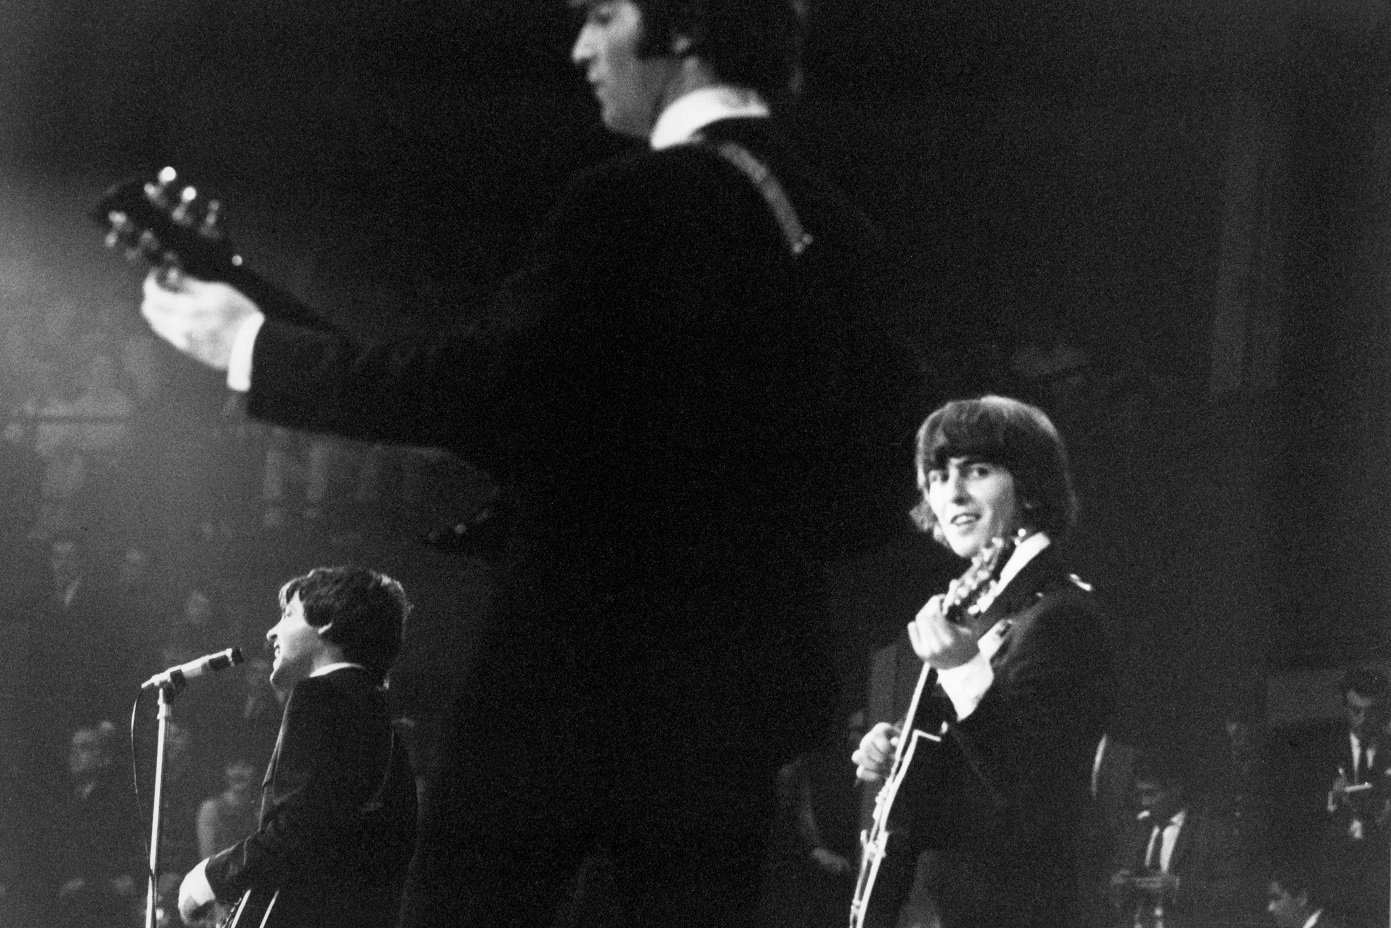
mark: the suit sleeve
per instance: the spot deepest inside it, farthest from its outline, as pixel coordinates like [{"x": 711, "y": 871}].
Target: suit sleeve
[
  {"x": 313, "y": 799},
  {"x": 467, "y": 386},
  {"x": 1036, "y": 729},
  {"x": 548, "y": 346}
]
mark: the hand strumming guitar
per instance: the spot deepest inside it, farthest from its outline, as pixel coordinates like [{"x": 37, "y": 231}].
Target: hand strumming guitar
[{"x": 875, "y": 754}]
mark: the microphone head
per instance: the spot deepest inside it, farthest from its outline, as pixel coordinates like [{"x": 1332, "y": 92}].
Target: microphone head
[{"x": 235, "y": 656}]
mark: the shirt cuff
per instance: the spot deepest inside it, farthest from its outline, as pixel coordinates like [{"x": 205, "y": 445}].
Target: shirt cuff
[
  {"x": 195, "y": 888},
  {"x": 967, "y": 684},
  {"x": 239, "y": 364}
]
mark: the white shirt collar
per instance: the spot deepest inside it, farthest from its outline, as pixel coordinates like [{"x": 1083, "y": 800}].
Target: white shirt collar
[
  {"x": 1313, "y": 919},
  {"x": 691, "y": 112},
  {"x": 1024, "y": 552},
  {"x": 330, "y": 668}
]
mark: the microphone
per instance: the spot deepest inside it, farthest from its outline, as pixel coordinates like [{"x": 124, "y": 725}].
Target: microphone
[{"x": 178, "y": 676}]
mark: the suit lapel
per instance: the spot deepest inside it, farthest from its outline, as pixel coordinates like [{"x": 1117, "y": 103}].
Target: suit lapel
[
  {"x": 1023, "y": 590},
  {"x": 268, "y": 781},
  {"x": 1025, "y": 587}
]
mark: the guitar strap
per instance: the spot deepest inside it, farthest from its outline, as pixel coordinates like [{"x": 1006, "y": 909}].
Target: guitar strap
[{"x": 770, "y": 188}]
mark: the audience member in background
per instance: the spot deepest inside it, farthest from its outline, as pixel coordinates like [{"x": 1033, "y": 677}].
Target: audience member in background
[
  {"x": 196, "y": 627},
  {"x": 1242, "y": 792},
  {"x": 138, "y": 602},
  {"x": 229, "y": 816},
  {"x": 814, "y": 852},
  {"x": 1294, "y": 901},
  {"x": 80, "y": 660},
  {"x": 1356, "y": 799},
  {"x": 186, "y": 783},
  {"x": 81, "y": 439},
  {"x": 1176, "y": 865},
  {"x": 24, "y": 557},
  {"x": 94, "y": 850},
  {"x": 257, "y": 714},
  {"x": 1108, "y": 816}
]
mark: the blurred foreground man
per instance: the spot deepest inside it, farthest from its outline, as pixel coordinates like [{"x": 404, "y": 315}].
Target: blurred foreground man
[{"x": 692, "y": 414}]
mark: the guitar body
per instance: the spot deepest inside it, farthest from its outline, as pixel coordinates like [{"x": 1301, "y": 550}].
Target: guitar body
[
  {"x": 255, "y": 909},
  {"x": 923, "y": 728}
]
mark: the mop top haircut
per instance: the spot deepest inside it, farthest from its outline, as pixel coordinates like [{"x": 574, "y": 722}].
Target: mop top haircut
[
  {"x": 1011, "y": 434},
  {"x": 362, "y": 611}
]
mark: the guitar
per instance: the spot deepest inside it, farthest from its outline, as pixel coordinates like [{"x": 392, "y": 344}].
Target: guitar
[
  {"x": 963, "y": 599},
  {"x": 252, "y": 910},
  {"x": 174, "y": 227}
]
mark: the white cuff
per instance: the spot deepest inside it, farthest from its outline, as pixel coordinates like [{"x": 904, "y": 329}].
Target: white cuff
[
  {"x": 239, "y": 364},
  {"x": 195, "y": 890},
  {"x": 967, "y": 684}
]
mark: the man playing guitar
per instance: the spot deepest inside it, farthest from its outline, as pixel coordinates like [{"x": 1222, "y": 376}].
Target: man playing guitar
[
  {"x": 338, "y": 805},
  {"x": 1023, "y": 686}
]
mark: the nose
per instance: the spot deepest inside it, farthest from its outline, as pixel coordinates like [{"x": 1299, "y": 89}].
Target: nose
[
  {"x": 270, "y": 636},
  {"x": 582, "y": 51}
]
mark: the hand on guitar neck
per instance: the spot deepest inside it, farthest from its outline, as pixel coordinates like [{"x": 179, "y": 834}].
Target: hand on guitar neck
[
  {"x": 944, "y": 636},
  {"x": 200, "y": 318},
  {"x": 200, "y": 291}
]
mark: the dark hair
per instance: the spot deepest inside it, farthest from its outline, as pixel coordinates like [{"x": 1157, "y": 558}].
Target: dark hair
[
  {"x": 752, "y": 43},
  {"x": 1011, "y": 434},
  {"x": 1163, "y": 767},
  {"x": 1365, "y": 681},
  {"x": 365, "y": 609}
]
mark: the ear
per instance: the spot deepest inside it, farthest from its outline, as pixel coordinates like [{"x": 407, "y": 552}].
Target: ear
[{"x": 323, "y": 631}]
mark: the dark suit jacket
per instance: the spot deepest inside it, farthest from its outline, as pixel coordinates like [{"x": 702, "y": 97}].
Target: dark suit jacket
[
  {"x": 689, "y": 423},
  {"x": 1309, "y": 757},
  {"x": 1207, "y": 860},
  {"x": 335, "y": 862},
  {"x": 1001, "y": 800}
]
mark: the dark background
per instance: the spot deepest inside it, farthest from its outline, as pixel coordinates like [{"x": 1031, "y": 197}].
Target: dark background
[{"x": 1166, "y": 221}]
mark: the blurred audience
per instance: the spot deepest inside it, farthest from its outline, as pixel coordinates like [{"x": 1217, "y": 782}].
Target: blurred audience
[
  {"x": 1177, "y": 864},
  {"x": 94, "y": 861},
  {"x": 1294, "y": 899}
]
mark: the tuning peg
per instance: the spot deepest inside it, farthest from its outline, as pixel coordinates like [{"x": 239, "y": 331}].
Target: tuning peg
[
  {"x": 185, "y": 213},
  {"x": 212, "y": 215},
  {"x": 119, "y": 231},
  {"x": 149, "y": 246},
  {"x": 158, "y": 190}
]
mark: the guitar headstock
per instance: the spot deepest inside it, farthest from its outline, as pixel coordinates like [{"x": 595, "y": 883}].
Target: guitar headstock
[
  {"x": 979, "y": 576},
  {"x": 166, "y": 223}
]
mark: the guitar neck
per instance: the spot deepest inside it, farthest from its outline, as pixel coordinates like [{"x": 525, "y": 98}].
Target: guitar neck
[{"x": 273, "y": 300}]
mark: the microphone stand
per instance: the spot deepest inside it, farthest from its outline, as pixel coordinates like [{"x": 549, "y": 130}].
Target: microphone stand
[{"x": 167, "y": 693}]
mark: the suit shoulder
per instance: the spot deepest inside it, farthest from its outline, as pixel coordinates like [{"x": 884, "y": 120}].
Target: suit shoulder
[
  {"x": 681, "y": 173},
  {"x": 326, "y": 689}
]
